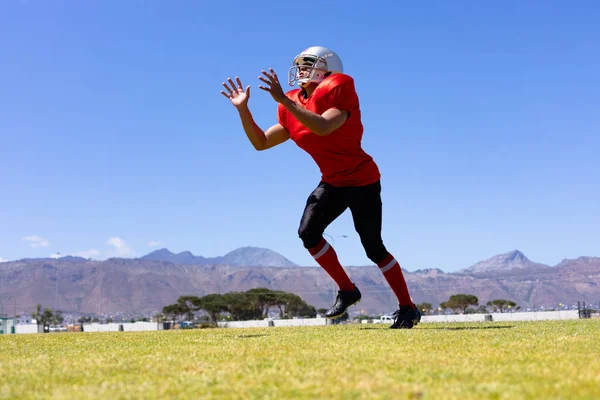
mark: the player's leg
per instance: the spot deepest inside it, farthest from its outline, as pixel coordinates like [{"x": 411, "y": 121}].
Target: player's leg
[
  {"x": 366, "y": 207},
  {"x": 323, "y": 206}
]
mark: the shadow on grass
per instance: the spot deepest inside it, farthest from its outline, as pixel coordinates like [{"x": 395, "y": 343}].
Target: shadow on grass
[
  {"x": 466, "y": 328},
  {"x": 449, "y": 328},
  {"x": 249, "y": 336}
]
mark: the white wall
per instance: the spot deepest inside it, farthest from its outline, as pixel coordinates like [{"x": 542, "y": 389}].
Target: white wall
[
  {"x": 301, "y": 322},
  {"x": 127, "y": 327},
  {"x": 153, "y": 326},
  {"x": 29, "y": 328},
  {"x": 276, "y": 322},
  {"x": 520, "y": 316}
]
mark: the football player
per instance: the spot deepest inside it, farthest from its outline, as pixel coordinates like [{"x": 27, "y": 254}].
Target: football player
[{"x": 323, "y": 117}]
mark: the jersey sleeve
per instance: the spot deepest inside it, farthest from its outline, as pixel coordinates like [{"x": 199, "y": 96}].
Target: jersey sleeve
[
  {"x": 282, "y": 112},
  {"x": 281, "y": 116},
  {"x": 342, "y": 95}
]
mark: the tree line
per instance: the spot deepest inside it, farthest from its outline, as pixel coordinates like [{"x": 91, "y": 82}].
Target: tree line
[
  {"x": 461, "y": 303},
  {"x": 47, "y": 316},
  {"x": 252, "y": 304}
]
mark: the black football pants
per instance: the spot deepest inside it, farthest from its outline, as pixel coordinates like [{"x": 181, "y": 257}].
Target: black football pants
[{"x": 328, "y": 202}]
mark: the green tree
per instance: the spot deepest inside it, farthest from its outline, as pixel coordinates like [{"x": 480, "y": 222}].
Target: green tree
[
  {"x": 213, "y": 304},
  {"x": 445, "y": 306},
  {"x": 425, "y": 307},
  {"x": 242, "y": 306},
  {"x": 44, "y": 317},
  {"x": 37, "y": 314},
  {"x": 449, "y": 305},
  {"x": 262, "y": 299},
  {"x": 510, "y": 304},
  {"x": 188, "y": 305},
  {"x": 173, "y": 311},
  {"x": 502, "y": 305},
  {"x": 482, "y": 310},
  {"x": 462, "y": 301},
  {"x": 57, "y": 318},
  {"x": 239, "y": 307},
  {"x": 283, "y": 300},
  {"x": 158, "y": 317},
  {"x": 296, "y": 307}
]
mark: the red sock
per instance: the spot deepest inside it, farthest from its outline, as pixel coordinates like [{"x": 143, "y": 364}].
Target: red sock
[
  {"x": 326, "y": 257},
  {"x": 393, "y": 274}
]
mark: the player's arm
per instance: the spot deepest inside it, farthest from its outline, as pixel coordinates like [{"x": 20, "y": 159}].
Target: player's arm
[
  {"x": 274, "y": 136},
  {"x": 322, "y": 124}
]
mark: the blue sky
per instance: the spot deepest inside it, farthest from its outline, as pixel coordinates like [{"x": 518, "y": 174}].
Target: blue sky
[{"x": 114, "y": 139}]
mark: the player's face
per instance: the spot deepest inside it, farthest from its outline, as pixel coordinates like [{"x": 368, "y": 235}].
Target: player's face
[{"x": 303, "y": 71}]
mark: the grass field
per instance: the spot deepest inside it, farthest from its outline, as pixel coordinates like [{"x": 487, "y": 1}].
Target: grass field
[{"x": 543, "y": 360}]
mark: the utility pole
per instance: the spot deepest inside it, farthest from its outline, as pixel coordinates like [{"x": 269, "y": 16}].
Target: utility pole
[
  {"x": 56, "y": 294},
  {"x": 101, "y": 283}
]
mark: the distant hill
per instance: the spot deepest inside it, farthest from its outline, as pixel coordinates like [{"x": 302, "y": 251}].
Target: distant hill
[
  {"x": 249, "y": 256},
  {"x": 144, "y": 285},
  {"x": 185, "y": 257},
  {"x": 502, "y": 263},
  {"x": 73, "y": 258},
  {"x": 256, "y": 256}
]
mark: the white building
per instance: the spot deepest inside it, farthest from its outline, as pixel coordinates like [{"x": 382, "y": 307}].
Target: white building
[{"x": 7, "y": 325}]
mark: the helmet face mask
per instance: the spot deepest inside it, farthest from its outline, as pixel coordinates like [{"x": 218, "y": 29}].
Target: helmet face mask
[
  {"x": 313, "y": 65},
  {"x": 307, "y": 68}
]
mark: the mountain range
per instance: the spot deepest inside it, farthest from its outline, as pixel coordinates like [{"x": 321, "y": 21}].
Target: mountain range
[
  {"x": 146, "y": 284},
  {"x": 249, "y": 256}
]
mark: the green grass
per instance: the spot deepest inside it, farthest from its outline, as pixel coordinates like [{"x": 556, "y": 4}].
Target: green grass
[{"x": 545, "y": 360}]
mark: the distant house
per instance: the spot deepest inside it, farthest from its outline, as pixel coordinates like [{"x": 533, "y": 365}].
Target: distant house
[
  {"x": 7, "y": 325},
  {"x": 25, "y": 319}
]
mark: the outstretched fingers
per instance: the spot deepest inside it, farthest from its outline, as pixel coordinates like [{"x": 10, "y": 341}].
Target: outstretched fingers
[
  {"x": 234, "y": 88},
  {"x": 268, "y": 82},
  {"x": 264, "y": 80},
  {"x": 270, "y": 79},
  {"x": 265, "y": 73},
  {"x": 239, "y": 82},
  {"x": 227, "y": 88},
  {"x": 229, "y": 94},
  {"x": 232, "y": 84}
]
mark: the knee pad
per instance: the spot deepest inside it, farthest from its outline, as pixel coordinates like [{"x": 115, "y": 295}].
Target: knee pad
[
  {"x": 376, "y": 253},
  {"x": 309, "y": 238}
]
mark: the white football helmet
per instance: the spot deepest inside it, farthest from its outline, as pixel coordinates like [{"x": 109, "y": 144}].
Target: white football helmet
[{"x": 313, "y": 65}]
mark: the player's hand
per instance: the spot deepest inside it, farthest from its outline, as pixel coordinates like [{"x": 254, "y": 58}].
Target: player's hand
[
  {"x": 274, "y": 87},
  {"x": 236, "y": 94}
]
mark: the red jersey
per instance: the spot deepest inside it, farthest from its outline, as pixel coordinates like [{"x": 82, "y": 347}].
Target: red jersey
[{"x": 339, "y": 155}]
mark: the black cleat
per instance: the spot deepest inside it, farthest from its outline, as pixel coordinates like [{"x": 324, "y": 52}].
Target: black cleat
[
  {"x": 342, "y": 302},
  {"x": 406, "y": 317}
]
